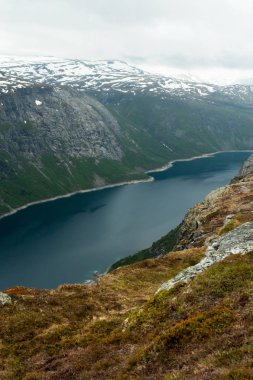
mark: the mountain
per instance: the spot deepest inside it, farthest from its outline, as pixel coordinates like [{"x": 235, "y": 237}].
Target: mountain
[
  {"x": 55, "y": 141},
  {"x": 184, "y": 315},
  {"x": 70, "y": 125},
  {"x": 110, "y": 75}
]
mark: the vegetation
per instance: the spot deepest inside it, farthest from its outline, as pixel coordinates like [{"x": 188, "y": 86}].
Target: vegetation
[
  {"x": 120, "y": 329},
  {"x": 153, "y": 130},
  {"x": 186, "y": 126},
  {"x": 116, "y": 331},
  {"x": 165, "y": 244},
  {"x": 41, "y": 325},
  {"x": 236, "y": 221}
]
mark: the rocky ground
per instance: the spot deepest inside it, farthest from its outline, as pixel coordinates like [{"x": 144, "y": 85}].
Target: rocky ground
[{"x": 238, "y": 241}]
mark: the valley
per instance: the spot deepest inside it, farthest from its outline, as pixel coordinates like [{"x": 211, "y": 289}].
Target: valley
[{"x": 91, "y": 124}]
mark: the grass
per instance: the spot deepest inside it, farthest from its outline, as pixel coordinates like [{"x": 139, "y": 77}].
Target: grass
[
  {"x": 76, "y": 316},
  {"x": 236, "y": 221},
  {"x": 119, "y": 330},
  {"x": 205, "y": 318}
]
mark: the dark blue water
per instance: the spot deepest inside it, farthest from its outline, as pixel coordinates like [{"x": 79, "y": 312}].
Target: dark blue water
[{"x": 67, "y": 239}]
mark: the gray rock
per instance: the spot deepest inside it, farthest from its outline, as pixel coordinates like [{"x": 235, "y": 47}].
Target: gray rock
[
  {"x": 4, "y": 299},
  {"x": 228, "y": 219},
  {"x": 238, "y": 241},
  {"x": 63, "y": 122},
  {"x": 247, "y": 167}
]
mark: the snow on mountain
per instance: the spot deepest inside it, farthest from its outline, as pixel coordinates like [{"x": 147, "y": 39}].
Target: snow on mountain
[{"x": 104, "y": 76}]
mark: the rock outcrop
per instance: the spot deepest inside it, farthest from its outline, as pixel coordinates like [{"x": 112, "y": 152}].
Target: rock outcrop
[
  {"x": 223, "y": 208},
  {"x": 247, "y": 167},
  {"x": 4, "y": 299},
  {"x": 39, "y": 121},
  {"x": 238, "y": 241}
]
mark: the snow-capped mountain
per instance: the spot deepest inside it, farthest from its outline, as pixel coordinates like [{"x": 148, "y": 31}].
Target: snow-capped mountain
[
  {"x": 67, "y": 125},
  {"x": 108, "y": 76}
]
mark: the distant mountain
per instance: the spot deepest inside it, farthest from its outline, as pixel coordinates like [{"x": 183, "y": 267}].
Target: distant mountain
[
  {"x": 68, "y": 125},
  {"x": 110, "y": 75}
]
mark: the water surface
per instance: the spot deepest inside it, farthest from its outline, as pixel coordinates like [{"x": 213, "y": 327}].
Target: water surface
[{"x": 67, "y": 239}]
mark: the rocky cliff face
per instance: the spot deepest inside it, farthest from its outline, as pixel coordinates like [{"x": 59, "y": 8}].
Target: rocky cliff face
[
  {"x": 60, "y": 139},
  {"x": 247, "y": 167},
  {"x": 222, "y": 210},
  {"x": 46, "y": 120}
]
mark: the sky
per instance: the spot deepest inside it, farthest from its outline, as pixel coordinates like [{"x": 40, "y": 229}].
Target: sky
[{"x": 188, "y": 35}]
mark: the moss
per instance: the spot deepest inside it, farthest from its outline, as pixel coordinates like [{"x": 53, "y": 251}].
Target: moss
[
  {"x": 14, "y": 370},
  {"x": 236, "y": 221},
  {"x": 120, "y": 330},
  {"x": 222, "y": 278},
  {"x": 228, "y": 227},
  {"x": 234, "y": 355},
  {"x": 238, "y": 374},
  {"x": 195, "y": 328},
  {"x": 174, "y": 375}
]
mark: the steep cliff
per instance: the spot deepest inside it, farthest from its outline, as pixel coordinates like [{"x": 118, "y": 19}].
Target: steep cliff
[
  {"x": 247, "y": 167},
  {"x": 41, "y": 120},
  {"x": 184, "y": 315},
  {"x": 55, "y": 141}
]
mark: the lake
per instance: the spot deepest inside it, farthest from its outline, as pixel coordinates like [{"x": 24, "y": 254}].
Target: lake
[{"x": 65, "y": 240}]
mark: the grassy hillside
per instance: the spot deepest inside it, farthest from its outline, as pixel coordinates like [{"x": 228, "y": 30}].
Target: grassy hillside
[
  {"x": 120, "y": 329},
  {"x": 188, "y": 126}
]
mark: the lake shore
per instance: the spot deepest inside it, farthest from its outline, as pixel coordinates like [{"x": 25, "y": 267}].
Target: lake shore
[
  {"x": 170, "y": 164},
  {"x": 132, "y": 182}
]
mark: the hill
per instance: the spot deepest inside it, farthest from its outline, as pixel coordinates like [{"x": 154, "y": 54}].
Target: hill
[{"x": 184, "y": 315}]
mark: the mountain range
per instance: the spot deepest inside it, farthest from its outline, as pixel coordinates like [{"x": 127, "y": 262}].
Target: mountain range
[
  {"x": 109, "y": 75},
  {"x": 69, "y": 125}
]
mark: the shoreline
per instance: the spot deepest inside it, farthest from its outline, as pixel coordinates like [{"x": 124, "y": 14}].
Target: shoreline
[
  {"x": 68, "y": 195},
  {"x": 170, "y": 164},
  {"x": 132, "y": 182}
]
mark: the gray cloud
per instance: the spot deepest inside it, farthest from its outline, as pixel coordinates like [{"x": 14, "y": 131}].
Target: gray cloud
[{"x": 180, "y": 33}]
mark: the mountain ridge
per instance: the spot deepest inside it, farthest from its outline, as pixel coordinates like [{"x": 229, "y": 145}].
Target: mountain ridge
[{"x": 108, "y": 75}]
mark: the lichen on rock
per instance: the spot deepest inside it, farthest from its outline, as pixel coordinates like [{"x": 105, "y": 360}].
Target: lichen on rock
[{"x": 4, "y": 299}]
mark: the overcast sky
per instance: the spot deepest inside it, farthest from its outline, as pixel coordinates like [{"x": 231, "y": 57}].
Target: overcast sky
[{"x": 184, "y": 34}]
